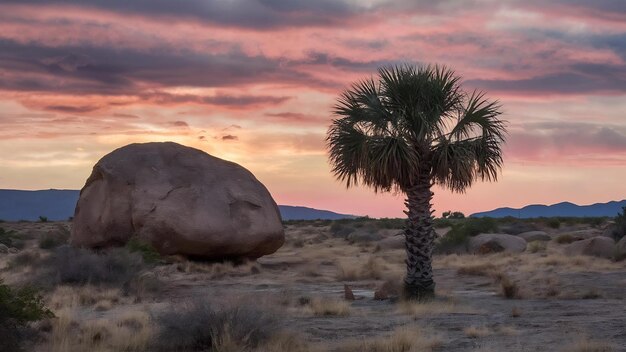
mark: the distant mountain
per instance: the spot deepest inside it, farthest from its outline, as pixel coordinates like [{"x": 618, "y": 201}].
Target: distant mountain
[
  {"x": 59, "y": 205},
  {"x": 559, "y": 209},
  {"x": 289, "y": 212}
]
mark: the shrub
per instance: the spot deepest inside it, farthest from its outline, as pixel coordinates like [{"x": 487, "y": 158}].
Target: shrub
[
  {"x": 145, "y": 249},
  {"x": 537, "y": 246},
  {"x": 43, "y": 218},
  {"x": 10, "y": 239},
  {"x": 25, "y": 258},
  {"x": 56, "y": 238},
  {"x": 565, "y": 239},
  {"x": 68, "y": 265},
  {"x": 620, "y": 225},
  {"x": 198, "y": 326},
  {"x": 18, "y": 307},
  {"x": 553, "y": 223},
  {"x": 462, "y": 231}
]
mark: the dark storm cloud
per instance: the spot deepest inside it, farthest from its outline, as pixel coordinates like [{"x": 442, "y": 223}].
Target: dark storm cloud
[
  {"x": 582, "y": 78},
  {"x": 321, "y": 58},
  {"x": 258, "y": 14},
  {"x": 102, "y": 70}
]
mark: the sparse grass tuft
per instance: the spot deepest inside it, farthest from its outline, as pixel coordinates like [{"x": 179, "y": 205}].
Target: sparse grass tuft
[
  {"x": 509, "y": 288},
  {"x": 537, "y": 246},
  {"x": 588, "y": 345},
  {"x": 353, "y": 271},
  {"x": 199, "y": 326},
  {"x": 329, "y": 307},
  {"x": 565, "y": 239},
  {"x": 477, "y": 331},
  {"x": 477, "y": 270},
  {"x": 54, "y": 239},
  {"x": 405, "y": 339}
]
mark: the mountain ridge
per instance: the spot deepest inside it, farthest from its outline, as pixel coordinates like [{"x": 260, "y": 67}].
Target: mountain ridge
[
  {"x": 59, "y": 204},
  {"x": 567, "y": 209}
]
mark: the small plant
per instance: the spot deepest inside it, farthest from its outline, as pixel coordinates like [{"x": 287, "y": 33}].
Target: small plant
[
  {"x": 68, "y": 265},
  {"x": 509, "y": 288},
  {"x": 463, "y": 230},
  {"x": 43, "y": 218},
  {"x": 565, "y": 239},
  {"x": 329, "y": 307},
  {"x": 18, "y": 307},
  {"x": 56, "y": 238},
  {"x": 199, "y": 326},
  {"x": 620, "y": 225},
  {"x": 10, "y": 239},
  {"x": 145, "y": 249},
  {"x": 553, "y": 223},
  {"x": 537, "y": 246}
]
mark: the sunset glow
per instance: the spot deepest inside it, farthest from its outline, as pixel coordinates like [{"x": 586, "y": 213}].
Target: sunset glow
[{"x": 254, "y": 81}]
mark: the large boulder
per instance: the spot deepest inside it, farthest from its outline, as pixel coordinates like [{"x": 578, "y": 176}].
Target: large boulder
[
  {"x": 496, "y": 242},
  {"x": 599, "y": 246},
  {"x": 531, "y": 236},
  {"x": 179, "y": 199}
]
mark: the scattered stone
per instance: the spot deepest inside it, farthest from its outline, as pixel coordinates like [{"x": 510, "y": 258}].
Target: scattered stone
[
  {"x": 181, "y": 201},
  {"x": 492, "y": 242},
  {"x": 386, "y": 291},
  {"x": 347, "y": 293},
  {"x": 531, "y": 236},
  {"x": 600, "y": 246}
]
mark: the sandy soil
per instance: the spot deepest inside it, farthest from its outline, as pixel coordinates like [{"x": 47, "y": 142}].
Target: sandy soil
[{"x": 561, "y": 303}]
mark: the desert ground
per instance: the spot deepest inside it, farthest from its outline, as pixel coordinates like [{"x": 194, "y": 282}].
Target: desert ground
[{"x": 299, "y": 298}]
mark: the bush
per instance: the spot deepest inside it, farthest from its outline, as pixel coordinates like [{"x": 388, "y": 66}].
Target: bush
[
  {"x": 145, "y": 249},
  {"x": 565, "y": 239},
  {"x": 18, "y": 307},
  {"x": 199, "y": 326},
  {"x": 620, "y": 225},
  {"x": 463, "y": 230},
  {"x": 68, "y": 265},
  {"x": 553, "y": 223},
  {"x": 55, "y": 238},
  {"x": 43, "y": 219},
  {"x": 10, "y": 239}
]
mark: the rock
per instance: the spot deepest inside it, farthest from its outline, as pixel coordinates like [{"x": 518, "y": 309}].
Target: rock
[
  {"x": 393, "y": 242},
  {"x": 517, "y": 228},
  {"x": 347, "y": 293},
  {"x": 179, "y": 199},
  {"x": 583, "y": 234},
  {"x": 620, "y": 249},
  {"x": 13, "y": 250},
  {"x": 386, "y": 291},
  {"x": 609, "y": 231},
  {"x": 493, "y": 242},
  {"x": 3, "y": 249},
  {"x": 600, "y": 246},
  {"x": 531, "y": 236}
]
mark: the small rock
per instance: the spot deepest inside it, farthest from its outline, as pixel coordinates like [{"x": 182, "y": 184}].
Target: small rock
[
  {"x": 13, "y": 250},
  {"x": 599, "y": 246},
  {"x": 531, "y": 236},
  {"x": 347, "y": 293},
  {"x": 492, "y": 242},
  {"x": 3, "y": 249},
  {"x": 385, "y": 291}
]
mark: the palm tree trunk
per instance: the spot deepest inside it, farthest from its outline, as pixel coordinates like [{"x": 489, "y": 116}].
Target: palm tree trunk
[{"x": 419, "y": 235}]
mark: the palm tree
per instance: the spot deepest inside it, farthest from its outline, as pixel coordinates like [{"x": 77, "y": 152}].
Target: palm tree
[{"x": 408, "y": 130}]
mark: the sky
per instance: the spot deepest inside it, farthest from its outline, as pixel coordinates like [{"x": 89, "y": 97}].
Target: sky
[{"x": 254, "y": 81}]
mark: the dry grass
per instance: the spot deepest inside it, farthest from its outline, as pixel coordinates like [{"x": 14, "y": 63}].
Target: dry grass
[
  {"x": 73, "y": 297},
  {"x": 586, "y": 344},
  {"x": 372, "y": 269},
  {"x": 219, "y": 270},
  {"x": 404, "y": 339},
  {"x": 508, "y": 330},
  {"x": 477, "y": 331},
  {"x": 132, "y": 331},
  {"x": 477, "y": 270},
  {"x": 433, "y": 308},
  {"x": 329, "y": 307}
]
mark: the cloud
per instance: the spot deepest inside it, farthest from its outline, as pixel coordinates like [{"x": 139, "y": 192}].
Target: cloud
[{"x": 229, "y": 137}]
